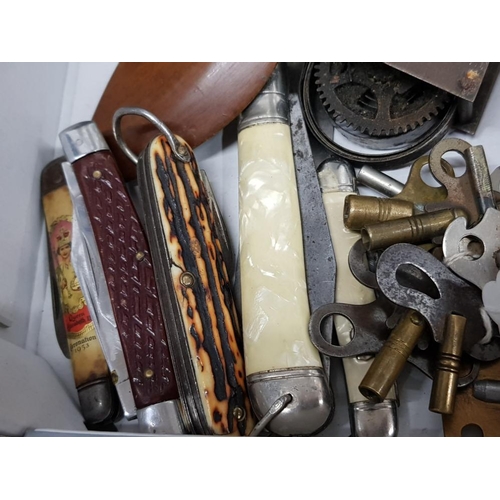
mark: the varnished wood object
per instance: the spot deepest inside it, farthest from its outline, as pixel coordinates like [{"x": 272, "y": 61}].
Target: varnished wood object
[
  {"x": 195, "y": 100},
  {"x": 474, "y": 415}
]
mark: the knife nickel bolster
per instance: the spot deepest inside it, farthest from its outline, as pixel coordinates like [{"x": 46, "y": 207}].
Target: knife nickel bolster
[
  {"x": 162, "y": 418},
  {"x": 99, "y": 402},
  {"x": 82, "y": 139},
  {"x": 310, "y": 408},
  {"x": 370, "y": 419}
]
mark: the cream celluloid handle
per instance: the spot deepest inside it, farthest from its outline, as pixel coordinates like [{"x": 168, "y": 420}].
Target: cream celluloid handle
[
  {"x": 275, "y": 306},
  {"x": 348, "y": 289}
]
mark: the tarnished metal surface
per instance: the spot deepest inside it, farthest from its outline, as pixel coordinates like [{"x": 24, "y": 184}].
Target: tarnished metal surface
[
  {"x": 360, "y": 267},
  {"x": 320, "y": 125},
  {"x": 417, "y": 191},
  {"x": 276, "y": 408},
  {"x": 363, "y": 265},
  {"x": 310, "y": 408},
  {"x": 369, "y": 323},
  {"x": 471, "y": 191},
  {"x": 473, "y": 253},
  {"x": 82, "y": 139},
  {"x": 377, "y": 106},
  {"x": 318, "y": 249},
  {"x": 371, "y": 419},
  {"x": 454, "y": 296},
  {"x": 162, "y": 418},
  {"x": 270, "y": 105},
  {"x": 480, "y": 172},
  {"x": 372, "y": 324},
  {"x": 462, "y": 79}
]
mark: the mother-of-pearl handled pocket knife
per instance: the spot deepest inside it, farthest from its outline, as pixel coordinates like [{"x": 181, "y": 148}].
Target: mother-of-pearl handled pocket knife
[
  {"x": 281, "y": 360},
  {"x": 337, "y": 181},
  {"x": 193, "y": 282}
]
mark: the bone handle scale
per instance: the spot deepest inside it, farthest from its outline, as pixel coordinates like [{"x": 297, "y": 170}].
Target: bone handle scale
[{"x": 348, "y": 289}]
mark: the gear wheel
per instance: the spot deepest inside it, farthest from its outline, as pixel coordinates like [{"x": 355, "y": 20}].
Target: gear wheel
[{"x": 375, "y": 99}]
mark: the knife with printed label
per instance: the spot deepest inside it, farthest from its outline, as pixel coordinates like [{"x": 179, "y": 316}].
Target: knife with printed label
[{"x": 75, "y": 330}]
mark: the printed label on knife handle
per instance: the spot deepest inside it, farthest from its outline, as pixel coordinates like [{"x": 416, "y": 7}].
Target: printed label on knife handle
[
  {"x": 86, "y": 354},
  {"x": 205, "y": 299},
  {"x": 129, "y": 274}
]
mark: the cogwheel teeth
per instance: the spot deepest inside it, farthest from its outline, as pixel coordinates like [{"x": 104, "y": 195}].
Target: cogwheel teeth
[{"x": 385, "y": 112}]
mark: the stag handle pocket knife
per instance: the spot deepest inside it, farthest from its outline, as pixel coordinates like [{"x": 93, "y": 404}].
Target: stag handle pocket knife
[
  {"x": 126, "y": 264},
  {"x": 193, "y": 281}
]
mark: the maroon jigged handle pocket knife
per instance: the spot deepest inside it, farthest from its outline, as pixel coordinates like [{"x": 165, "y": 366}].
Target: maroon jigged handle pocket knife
[{"x": 128, "y": 272}]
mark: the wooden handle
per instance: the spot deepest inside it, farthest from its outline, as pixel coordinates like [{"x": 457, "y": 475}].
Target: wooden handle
[{"x": 195, "y": 100}]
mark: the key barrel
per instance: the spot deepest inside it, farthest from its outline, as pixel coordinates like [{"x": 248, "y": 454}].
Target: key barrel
[
  {"x": 444, "y": 387},
  {"x": 390, "y": 361}
]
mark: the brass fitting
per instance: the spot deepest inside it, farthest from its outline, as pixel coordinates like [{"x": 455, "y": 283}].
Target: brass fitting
[
  {"x": 361, "y": 211},
  {"x": 417, "y": 229},
  {"x": 391, "y": 359},
  {"x": 444, "y": 386}
]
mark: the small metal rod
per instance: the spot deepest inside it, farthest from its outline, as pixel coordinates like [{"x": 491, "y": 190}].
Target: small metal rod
[
  {"x": 276, "y": 408},
  {"x": 487, "y": 390},
  {"x": 372, "y": 178}
]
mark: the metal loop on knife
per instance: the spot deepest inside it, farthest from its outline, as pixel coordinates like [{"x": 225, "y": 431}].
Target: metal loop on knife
[
  {"x": 171, "y": 139},
  {"x": 276, "y": 408}
]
